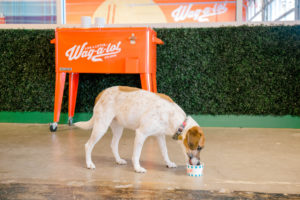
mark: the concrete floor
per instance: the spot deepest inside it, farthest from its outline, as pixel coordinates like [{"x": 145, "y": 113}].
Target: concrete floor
[{"x": 236, "y": 159}]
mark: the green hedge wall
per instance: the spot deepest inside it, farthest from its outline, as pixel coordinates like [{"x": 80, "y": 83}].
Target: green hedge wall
[{"x": 227, "y": 70}]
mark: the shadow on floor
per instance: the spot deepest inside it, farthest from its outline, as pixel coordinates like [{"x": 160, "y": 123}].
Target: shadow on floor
[{"x": 62, "y": 192}]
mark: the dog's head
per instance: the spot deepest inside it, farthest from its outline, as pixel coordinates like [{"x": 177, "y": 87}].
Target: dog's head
[{"x": 194, "y": 142}]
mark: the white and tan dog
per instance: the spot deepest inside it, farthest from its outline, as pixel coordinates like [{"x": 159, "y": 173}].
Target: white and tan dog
[{"x": 147, "y": 113}]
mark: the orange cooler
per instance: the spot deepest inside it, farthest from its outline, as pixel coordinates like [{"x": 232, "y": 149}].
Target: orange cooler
[{"x": 102, "y": 50}]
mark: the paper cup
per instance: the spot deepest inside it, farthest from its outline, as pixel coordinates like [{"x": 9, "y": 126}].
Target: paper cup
[
  {"x": 99, "y": 22},
  {"x": 195, "y": 170},
  {"x": 86, "y": 21}
]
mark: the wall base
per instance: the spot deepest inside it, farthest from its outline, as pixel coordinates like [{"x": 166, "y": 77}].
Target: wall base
[{"x": 203, "y": 120}]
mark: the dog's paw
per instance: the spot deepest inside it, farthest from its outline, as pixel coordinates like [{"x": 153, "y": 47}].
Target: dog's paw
[
  {"x": 121, "y": 162},
  {"x": 90, "y": 165},
  {"x": 140, "y": 170},
  {"x": 171, "y": 165}
]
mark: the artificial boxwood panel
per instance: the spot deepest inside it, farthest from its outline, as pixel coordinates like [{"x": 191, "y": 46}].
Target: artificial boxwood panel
[
  {"x": 227, "y": 70},
  {"x": 26, "y": 70},
  {"x": 237, "y": 70}
]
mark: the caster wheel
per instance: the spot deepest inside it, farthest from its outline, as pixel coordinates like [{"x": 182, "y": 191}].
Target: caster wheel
[
  {"x": 53, "y": 127},
  {"x": 70, "y": 121}
]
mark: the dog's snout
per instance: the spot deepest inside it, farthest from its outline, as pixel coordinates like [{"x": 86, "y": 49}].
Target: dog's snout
[
  {"x": 190, "y": 155},
  {"x": 194, "y": 161}
]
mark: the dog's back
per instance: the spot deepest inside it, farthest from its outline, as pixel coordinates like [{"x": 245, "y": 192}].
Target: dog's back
[{"x": 130, "y": 106}]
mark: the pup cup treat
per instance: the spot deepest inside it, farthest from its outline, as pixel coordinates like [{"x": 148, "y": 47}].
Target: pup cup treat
[{"x": 195, "y": 170}]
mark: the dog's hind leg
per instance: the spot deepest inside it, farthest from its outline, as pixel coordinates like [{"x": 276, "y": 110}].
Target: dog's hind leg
[
  {"x": 101, "y": 124},
  {"x": 117, "y": 131},
  {"x": 161, "y": 139}
]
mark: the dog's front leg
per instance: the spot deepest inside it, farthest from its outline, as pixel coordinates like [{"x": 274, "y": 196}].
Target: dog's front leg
[
  {"x": 164, "y": 151},
  {"x": 137, "y": 149},
  {"x": 117, "y": 131}
]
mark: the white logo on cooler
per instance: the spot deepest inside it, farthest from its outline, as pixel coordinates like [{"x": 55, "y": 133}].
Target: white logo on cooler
[
  {"x": 201, "y": 15},
  {"x": 94, "y": 53}
]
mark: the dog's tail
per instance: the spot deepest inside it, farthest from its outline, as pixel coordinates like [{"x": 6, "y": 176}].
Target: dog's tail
[{"x": 85, "y": 125}]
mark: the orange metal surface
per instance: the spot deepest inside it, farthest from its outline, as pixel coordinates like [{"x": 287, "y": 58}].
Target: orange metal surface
[
  {"x": 2, "y": 20},
  {"x": 102, "y": 50}
]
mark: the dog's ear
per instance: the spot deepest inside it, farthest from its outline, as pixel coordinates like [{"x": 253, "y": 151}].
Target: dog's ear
[
  {"x": 194, "y": 138},
  {"x": 202, "y": 138}
]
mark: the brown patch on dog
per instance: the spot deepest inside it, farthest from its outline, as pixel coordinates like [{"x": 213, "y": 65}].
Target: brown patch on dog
[
  {"x": 194, "y": 138},
  {"x": 165, "y": 97},
  {"x": 133, "y": 89},
  {"x": 128, "y": 89},
  {"x": 99, "y": 96}
]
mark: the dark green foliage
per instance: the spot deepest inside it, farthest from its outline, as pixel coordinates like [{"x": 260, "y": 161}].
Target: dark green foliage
[
  {"x": 236, "y": 70},
  {"x": 227, "y": 70},
  {"x": 27, "y": 66}
]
